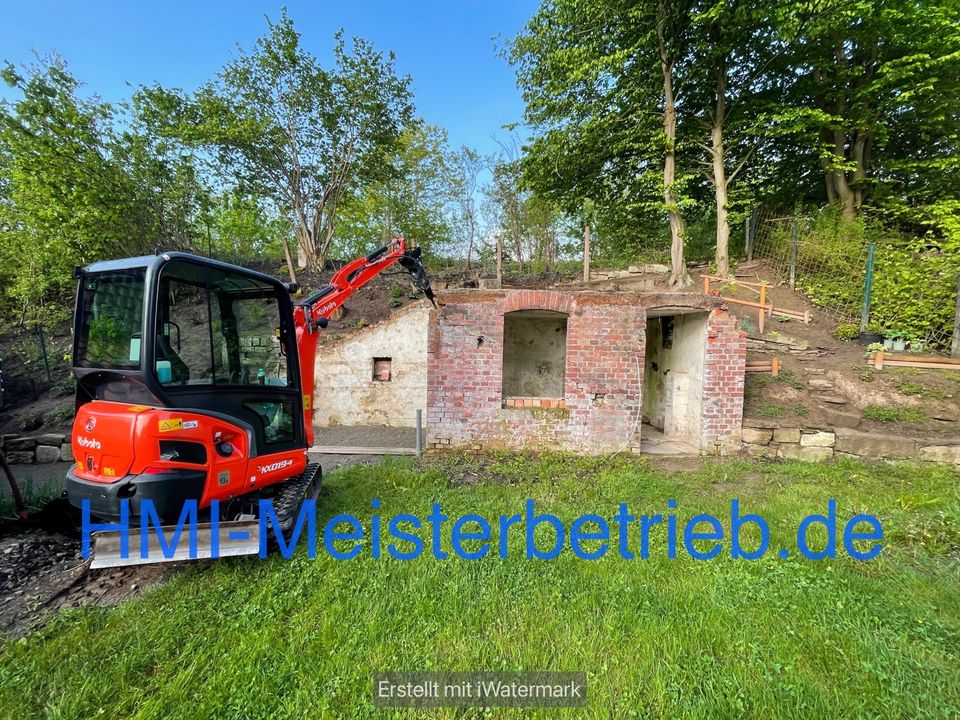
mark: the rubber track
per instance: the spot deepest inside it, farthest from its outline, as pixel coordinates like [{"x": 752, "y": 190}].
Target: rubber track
[{"x": 292, "y": 493}]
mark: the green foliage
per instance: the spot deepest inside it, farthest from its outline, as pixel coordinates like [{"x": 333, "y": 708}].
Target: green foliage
[
  {"x": 883, "y": 413},
  {"x": 416, "y": 200},
  {"x": 772, "y": 410},
  {"x": 846, "y": 331},
  {"x": 66, "y": 196},
  {"x": 914, "y": 280},
  {"x": 289, "y": 131}
]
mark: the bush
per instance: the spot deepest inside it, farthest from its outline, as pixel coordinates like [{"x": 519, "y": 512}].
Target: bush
[{"x": 846, "y": 331}]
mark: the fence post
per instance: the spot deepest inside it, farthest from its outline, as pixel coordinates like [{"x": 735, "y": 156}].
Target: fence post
[
  {"x": 794, "y": 240},
  {"x": 43, "y": 352},
  {"x": 867, "y": 288},
  {"x": 955, "y": 347},
  {"x": 419, "y": 433},
  {"x": 748, "y": 238}
]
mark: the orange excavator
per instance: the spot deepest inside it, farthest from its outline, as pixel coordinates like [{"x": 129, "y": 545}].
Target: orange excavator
[{"x": 195, "y": 383}]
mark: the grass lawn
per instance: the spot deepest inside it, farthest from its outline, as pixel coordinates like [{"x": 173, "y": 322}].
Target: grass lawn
[{"x": 657, "y": 637}]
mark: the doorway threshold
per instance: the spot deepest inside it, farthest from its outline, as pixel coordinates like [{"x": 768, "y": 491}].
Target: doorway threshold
[{"x": 654, "y": 442}]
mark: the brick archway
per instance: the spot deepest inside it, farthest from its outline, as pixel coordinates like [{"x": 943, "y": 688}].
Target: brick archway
[{"x": 538, "y": 300}]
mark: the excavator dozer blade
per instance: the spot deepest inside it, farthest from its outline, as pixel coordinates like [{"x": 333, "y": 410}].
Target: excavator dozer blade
[{"x": 233, "y": 539}]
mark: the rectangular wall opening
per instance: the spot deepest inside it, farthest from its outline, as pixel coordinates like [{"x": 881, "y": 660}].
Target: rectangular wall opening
[
  {"x": 673, "y": 380},
  {"x": 382, "y": 369},
  {"x": 534, "y": 357}
]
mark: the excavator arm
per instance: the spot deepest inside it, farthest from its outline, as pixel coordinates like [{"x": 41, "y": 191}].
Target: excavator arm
[{"x": 313, "y": 312}]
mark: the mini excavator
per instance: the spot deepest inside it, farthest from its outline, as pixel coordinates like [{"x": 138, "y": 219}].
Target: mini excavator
[{"x": 195, "y": 382}]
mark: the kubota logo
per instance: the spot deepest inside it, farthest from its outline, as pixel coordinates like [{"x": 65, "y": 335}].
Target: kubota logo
[
  {"x": 91, "y": 424},
  {"x": 91, "y": 443},
  {"x": 274, "y": 466}
]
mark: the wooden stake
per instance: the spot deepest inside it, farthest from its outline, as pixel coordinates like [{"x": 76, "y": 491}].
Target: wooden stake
[
  {"x": 775, "y": 365},
  {"x": 763, "y": 302}
]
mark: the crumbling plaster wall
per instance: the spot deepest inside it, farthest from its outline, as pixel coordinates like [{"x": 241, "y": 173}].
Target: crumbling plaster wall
[{"x": 345, "y": 391}]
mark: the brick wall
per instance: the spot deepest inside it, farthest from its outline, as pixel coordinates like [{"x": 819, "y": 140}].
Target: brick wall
[
  {"x": 603, "y": 373},
  {"x": 726, "y": 356}
]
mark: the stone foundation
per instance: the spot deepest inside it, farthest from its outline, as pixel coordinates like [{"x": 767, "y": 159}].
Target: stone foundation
[
  {"x": 816, "y": 445},
  {"x": 39, "y": 449}
]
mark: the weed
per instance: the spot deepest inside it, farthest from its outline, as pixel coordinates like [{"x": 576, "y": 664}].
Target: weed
[
  {"x": 865, "y": 374},
  {"x": 789, "y": 377},
  {"x": 772, "y": 410},
  {"x": 912, "y": 388},
  {"x": 801, "y": 410},
  {"x": 883, "y": 413}
]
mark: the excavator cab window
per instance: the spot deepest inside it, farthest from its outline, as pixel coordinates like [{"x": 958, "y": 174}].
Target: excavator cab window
[
  {"x": 110, "y": 320},
  {"x": 215, "y": 327}
]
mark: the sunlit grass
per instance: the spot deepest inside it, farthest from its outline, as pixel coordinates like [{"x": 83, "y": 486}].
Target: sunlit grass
[{"x": 657, "y": 637}]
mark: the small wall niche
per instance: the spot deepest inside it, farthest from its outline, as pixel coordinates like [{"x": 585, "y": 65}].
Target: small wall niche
[{"x": 382, "y": 369}]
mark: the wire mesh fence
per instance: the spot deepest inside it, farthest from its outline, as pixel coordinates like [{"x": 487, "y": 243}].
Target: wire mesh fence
[{"x": 903, "y": 288}]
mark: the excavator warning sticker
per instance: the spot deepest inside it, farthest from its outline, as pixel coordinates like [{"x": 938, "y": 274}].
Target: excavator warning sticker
[
  {"x": 306, "y": 402},
  {"x": 137, "y": 408},
  {"x": 171, "y": 425}
]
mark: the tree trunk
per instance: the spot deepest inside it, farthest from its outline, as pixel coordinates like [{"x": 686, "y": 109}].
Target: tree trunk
[
  {"x": 586, "y": 253},
  {"x": 306, "y": 247},
  {"x": 470, "y": 240},
  {"x": 286, "y": 254},
  {"x": 720, "y": 177},
  {"x": 678, "y": 268},
  {"x": 955, "y": 345}
]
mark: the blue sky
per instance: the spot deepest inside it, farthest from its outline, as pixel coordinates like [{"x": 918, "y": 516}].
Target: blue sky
[{"x": 446, "y": 46}]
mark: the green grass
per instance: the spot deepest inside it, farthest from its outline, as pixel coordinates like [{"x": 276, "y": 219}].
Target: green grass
[
  {"x": 893, "y": 414},
  {"x": 772, "y": 410},
  {"x": 911, "y": 388},
  {"x": 657, "y": 637}
]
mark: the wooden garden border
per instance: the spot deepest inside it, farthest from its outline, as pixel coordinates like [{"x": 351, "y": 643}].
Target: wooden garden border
[
  {"x": 771, "y": 366},
  {"x": 880, "y": 360}
]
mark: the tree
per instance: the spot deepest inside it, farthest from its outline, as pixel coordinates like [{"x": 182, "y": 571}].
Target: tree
[
  {"x": 467, "y": 165},
  {"x": 875, "y": 89},
  {"x": 65, "y": 199},
  {"x": 598, "y": 81},
  {"x": 731, "y": 65},
  {"x": 415, "y": 201},
  {"x": 294, "y": 132}
]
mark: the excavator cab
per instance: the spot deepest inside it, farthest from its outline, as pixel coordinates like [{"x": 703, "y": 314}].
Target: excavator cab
[
  {"x": 188, "y": 384},
  {"x": 180, "y": 331}
]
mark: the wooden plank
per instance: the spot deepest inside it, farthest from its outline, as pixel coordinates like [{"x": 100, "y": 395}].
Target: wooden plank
[
  {"x": 745, "y": 302},
  {"x": 763, "y": 301},
  {"x": 919, "y": 366},
  {"x": 903, "y": 357},
  {"x": 715, "y": 278},
  {"x": 349, "y": 450},
  {"x": 793, "y": 314}
]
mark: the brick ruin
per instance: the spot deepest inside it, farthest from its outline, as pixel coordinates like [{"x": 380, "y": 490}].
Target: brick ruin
[{"x": 579, "y": 371}]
